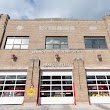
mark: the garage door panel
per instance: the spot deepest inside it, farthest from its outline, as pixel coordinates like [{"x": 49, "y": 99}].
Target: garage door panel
[
  {"x": 56, "y": 88},
  {"x": 57, "y": 100},
  {"x": 11, "y": 100},
  {"x": 100, "y": 99},
  {"x": 56, "y": 73},
  {"x": 98, "y": 86}
]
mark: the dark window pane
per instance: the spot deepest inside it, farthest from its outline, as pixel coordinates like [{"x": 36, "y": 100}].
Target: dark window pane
[
  {"x": 22, "y": 87},
  {"x": 49, "y": 46},
  {"x": 8, "y": 94},
  {"x": 109, "y": 86},
  {"x": 21, "y": 77},
  {"x": 18, "y": 93},
  {"x": 56, "y": 46},
  {"x": 102, "y": 43},
  {"x": 56, "y": 41},
  {"x": 93, "y": 94},
  {"x": 45, "y": 77},
  {"x": 56, "y": 82},
  {"x": 45, "y": 88},
  {"x": 9, "y": 88},
  {"x": 104, "y": 93},
  {"x": 1, "y": 87},
  {"x": 56, "y": 77},
  {"x": 103, "y": 87},
  {"x": 67, "y": 82},
  {"x": 56, "y": 87},
  {"x": 88, "y": 43},
  {"x": 1, "y": 82},
  {"x": 90, "y": 77},
  {"x": 101, "y": 82},
  {"x": 68, "y": 94},
  {"x": 49, "y": 40},
  {"x": 45, "y": 94},
  {"x": 20, "y": 82},
  {"x": 45, "y": 82},
  {"x": 64, "y": 46},
  {"x": 91, "y": 82},
  {"x": 0, "y": 94},
  {"x": 109, "y": 82},
  {"x": 95, "y": 43},
  {"x": 11, "y": 77},
  {"x": 66, "y": 77},
  {"x": 100, "y": 77},
  {"x": 108, "y": 77},
  {"x": 10, "y": 82},
  {"x": 67, "y": 87},
  {"x": 63, "y": 41},
  {"x": 92, "y": 87},
  {"x": 56, "y": 94},
  {"x": 2, "y": 77}
]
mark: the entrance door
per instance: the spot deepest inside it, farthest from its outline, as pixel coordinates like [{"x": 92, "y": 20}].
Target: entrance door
[
  {"x": 12, "y": 87},
  {"x": 56, "y": 87},
  {"x": 98, "y": 86}
]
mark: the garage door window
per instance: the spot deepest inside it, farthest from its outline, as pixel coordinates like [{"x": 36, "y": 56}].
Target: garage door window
[
  {"x": 98, "y": 85},
  {"x": 56, "y": 86},
  {"x": 12, "y": 85}
]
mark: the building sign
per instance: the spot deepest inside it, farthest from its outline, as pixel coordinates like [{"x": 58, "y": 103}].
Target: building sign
[
  {"x": 31, "y": 92},
  {"x": 56, "y": 28},
  {"x": 56, "y": 65},
  {"x": 56, "y": 51}
]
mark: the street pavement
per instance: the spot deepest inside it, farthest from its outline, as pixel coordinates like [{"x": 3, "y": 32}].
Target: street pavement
[{"x": 78, "y": 106}]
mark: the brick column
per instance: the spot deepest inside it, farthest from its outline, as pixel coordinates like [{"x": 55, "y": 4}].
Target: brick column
[
  {"x": 32, "y": 76},
  {"x": 79, "y": 76},
  {"x": 3, "y": 25}
]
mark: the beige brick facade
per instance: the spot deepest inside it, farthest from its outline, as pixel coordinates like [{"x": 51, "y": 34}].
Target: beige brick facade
[{"x": 76, "y": 56}]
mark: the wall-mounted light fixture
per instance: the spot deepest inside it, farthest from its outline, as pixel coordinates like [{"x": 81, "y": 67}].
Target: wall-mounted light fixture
[
  {"x": 57, "y": 57},
  {"x": 99, "y": 57},
  {"x": 14, "y": 57}
]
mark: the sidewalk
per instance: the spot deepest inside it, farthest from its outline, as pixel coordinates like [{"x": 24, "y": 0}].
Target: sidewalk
[
  {"x": 78, "y": 106},
  {"x": 86, "y": 106}
]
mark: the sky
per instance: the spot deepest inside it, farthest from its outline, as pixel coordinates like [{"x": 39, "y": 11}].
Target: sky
[{"x": 74, "y": 9}]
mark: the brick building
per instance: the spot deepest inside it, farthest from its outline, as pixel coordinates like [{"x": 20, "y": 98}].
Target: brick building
[{"x": 65, "y": 60}]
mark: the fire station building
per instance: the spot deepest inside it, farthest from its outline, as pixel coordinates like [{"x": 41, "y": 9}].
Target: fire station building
[{"x": 54, "y": 61}]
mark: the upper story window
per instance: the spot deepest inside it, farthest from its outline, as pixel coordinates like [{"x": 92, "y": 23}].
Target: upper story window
[
  {"x": 94, "y": 42},
  {"x": 54, "y": 42},
  {"x": 17, "y": 42}
]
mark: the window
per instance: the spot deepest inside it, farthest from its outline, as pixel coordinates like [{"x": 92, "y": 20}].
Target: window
[
  {"x": 56, "y": 42},
  {"x": 95, "y": 42},
  {"x": 17, "y": 42}
]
